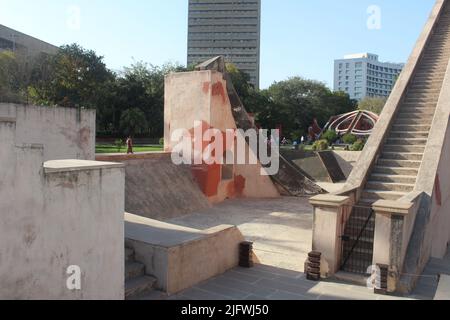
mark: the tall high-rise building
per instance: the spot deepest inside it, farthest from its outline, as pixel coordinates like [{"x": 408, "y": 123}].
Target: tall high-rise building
[
  {"x": 363, "y": 75},
  {"x": 230, "y": 28}
]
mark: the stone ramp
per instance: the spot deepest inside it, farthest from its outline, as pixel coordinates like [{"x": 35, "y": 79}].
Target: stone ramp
[
  {"x": 158, "y": 189},
  {"x": 332, "y": 166}
]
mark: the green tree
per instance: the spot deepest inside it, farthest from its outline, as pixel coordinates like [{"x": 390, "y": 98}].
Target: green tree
[
  {"x": 133, "y": 121},
  {"x": 296, "y": 102},
  {"x": 349, "y": 138},
  {"x": 373, "y": 104},
  {"x": 331, "y": 136},
  {"x": 16, "y": 73},
  {"x": 73, "y": 77}
]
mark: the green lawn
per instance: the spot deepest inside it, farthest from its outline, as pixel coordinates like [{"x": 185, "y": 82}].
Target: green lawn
[{"x": 110, "y": 148}]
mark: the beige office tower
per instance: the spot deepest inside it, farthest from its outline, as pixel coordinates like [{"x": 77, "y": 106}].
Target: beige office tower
[{"x": 230, "y": 28}]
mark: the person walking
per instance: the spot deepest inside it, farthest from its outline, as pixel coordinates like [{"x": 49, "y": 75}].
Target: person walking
[{"x": 129, "y": 145}]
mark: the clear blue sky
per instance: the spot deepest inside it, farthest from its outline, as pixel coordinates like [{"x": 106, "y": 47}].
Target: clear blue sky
[{"x": 299, "y": 37}]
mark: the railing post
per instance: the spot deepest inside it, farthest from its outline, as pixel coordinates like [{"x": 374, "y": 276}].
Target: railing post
[{"x": 330, "y": 215}]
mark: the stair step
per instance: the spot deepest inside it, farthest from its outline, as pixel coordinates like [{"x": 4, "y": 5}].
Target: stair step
[
  {"x": 129, "y": 254},
  {"x": 387, "y": 186},
  {"x": 414, "y": 122},
  {"x": 427, "y": 80},
  {"x": 399, "y": 163},
  {"x": 437, "y": 49},
  {"x": 134, "y": 270},
  {"x": 413, "y": 141},
  {"x": 356, "y": 225},
  {"x": 412, "y": 107},
  {"x": 423, "y": 90},
  {"x": 138, "y": 286},
  {"x": 383, "y": 195},
  {"x": 405, "y": 171},
  {"x": 364, "y": 240},
  {"x": 366, "y": 202},
  {"x": 411, "y": 127},
  {"x": 424, "y": 94},
  {"x": 431, "y": 109},
  {"x": 402, "y": 156},
  {"x": 428, "y": 74},
  {"x": 432, "y": 87},
  {"x": 359, "y": 250},
  {"x": 393, "y": 178},
  {"x": 424, "y": 100},
  {"x": 359, "y": 257},
  {"x": 406, "y": 134},
  {"x": 402, "y": 148},
  {"x": 414, "y": 115}
]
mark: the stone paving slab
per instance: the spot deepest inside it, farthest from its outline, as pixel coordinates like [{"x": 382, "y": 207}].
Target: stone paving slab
[
  {"x": 281, "y": 229},
  {"x": 243, "y": 284}
]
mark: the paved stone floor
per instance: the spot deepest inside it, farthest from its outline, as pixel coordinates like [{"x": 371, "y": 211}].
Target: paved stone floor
[
  {"x": 282, "y": 231},
  {"x": 269, "y": 283}
]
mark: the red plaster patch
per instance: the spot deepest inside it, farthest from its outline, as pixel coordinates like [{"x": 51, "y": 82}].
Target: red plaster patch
[
  {"x": 437, "y": 187},
  {"x": 219, "y": 90},
  {"x": 239, "y": 185},
  {"x": 208, "y": 178}
]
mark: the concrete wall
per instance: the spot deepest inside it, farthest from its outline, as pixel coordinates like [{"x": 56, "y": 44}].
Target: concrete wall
[
  {"x": 440, "y": 213},
  {"x": 54, "y": 214},
  {"x": 202, "y": 97},
  {"x": 65, "y": 133},
  {"x": 182, "y": 257}
]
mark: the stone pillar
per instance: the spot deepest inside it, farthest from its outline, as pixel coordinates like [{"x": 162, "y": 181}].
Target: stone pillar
[
  {"x": 391, "y": 238},
  {"x": 330, "y": 215}
]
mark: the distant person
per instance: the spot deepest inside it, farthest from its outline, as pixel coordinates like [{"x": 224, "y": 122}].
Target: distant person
[
  {"x": 302, "y": 140},
  {"x": 129, "y": 145}
]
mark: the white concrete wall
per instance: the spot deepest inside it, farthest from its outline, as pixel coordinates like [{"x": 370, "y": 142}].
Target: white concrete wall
[
  {"x": 66, "y": 133},
  {"x": 181, "y": 257},
  {"x": 440, "y": 216},
  {"x": 50, "y": 221}
]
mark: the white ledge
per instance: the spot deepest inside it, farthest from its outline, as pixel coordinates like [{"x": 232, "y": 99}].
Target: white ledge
[
  {"x": 393, "y": 207},
  {"x": 329, "y": 200},
  {"x": 59, "y": 166}
]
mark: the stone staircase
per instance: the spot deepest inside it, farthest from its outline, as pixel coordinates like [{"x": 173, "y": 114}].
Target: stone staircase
[
  {"x": 137, "y": 283},
  {"x": 396, "y": 170}
]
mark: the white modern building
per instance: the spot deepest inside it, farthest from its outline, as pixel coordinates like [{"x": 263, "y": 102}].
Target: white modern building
[
  {"x": 363, "y": 75},
  {"x": 229, "y": 28}
]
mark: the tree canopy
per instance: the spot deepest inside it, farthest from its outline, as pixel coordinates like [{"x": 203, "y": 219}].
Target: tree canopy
[
  {"x": 132, "y": 101},
  {"x": 374, "y": 104},
  {"x": 296, "y": 102}
]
